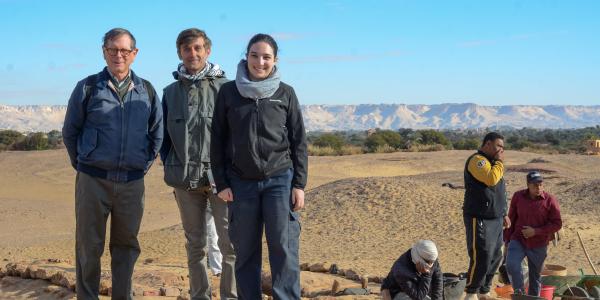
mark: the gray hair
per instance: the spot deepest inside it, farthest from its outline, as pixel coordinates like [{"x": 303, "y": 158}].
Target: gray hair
[{"x": 115, "y": 33}]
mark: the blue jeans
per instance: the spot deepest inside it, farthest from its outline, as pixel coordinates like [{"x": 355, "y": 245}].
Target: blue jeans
[
  {"x": 257, "y": 204},
  {"x": 535, "y": 259}
]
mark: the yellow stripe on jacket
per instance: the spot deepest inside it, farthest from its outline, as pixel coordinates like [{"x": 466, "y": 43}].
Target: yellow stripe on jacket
[{"x": 482, "y": 170}]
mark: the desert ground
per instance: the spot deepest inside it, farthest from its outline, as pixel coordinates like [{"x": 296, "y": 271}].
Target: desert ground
[{"x": 361, "y": 213}]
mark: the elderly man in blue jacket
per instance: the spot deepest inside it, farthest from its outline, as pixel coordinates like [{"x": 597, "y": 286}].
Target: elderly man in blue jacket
[{"x": 112, "y": 132}]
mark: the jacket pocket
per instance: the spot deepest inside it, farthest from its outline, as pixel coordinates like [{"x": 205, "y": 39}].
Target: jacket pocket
[{"x": 89, "y": 140}]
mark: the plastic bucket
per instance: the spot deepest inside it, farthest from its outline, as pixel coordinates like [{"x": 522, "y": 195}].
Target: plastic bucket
[
  {"x": 547, "y": 292},
  {"x": 504, "y": 291},
  {"x": 454, "y": 286}
]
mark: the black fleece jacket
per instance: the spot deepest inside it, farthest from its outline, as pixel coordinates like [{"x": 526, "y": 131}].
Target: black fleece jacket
[
  {"x": 404, "y": 278},
  {"x": 258, "y": 138}
]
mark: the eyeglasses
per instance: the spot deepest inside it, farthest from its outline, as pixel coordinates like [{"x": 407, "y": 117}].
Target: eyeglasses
[{"x": 115, "y": 51}]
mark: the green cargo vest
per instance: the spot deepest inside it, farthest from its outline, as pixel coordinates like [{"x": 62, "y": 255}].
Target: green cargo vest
[{"x": 190, "y": 108}]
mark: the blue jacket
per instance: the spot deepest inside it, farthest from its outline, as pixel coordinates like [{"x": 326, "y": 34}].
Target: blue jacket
[{"x": 109, "y": 139}]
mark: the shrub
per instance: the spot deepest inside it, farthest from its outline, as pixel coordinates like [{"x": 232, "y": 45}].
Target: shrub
[
  {"x": 9, "y": 137},
  {"x": 426, "y": 148},
  {"x": 329, "y": 140},
  {"x": 314, "y": 150},
  {"x": 382, "y": 138}
]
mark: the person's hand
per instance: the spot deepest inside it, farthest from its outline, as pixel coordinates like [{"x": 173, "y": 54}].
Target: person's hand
[
  {"x": 528, "y": 231},
  {"x": 506, "y": 222},
  {"x": 226, "y": 195},
  {"x": 499, "y": 155},
  {"x": 423, "y": 268},
  {"x": 297, "y": 199}
]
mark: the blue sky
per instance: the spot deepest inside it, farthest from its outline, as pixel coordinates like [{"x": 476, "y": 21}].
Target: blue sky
[{"x": 331, "y": 51}]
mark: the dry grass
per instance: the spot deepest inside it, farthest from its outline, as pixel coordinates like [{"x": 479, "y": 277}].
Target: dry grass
[{"x": 329, "y": 151}]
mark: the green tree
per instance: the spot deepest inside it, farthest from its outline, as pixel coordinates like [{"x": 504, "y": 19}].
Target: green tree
[
  {"x": 432, "y": 137},
  {"x": 9, "y": 137},
  {"x": 382, "y": 138},
  {"x": 466, "y": 144},
  {"x": 54, "y": 139},
  {"x": 329, "y": 140},
  {"x": 35, "y": 141},
  {"x": 517, "y": 143}
]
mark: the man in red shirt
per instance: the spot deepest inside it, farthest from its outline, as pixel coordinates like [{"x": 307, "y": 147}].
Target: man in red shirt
[{"x": 535, "y": 217}]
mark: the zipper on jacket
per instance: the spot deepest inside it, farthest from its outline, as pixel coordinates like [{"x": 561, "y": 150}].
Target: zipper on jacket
[
  {"x": 258, "y": 139},
  {"x": 123, "y": 137}
]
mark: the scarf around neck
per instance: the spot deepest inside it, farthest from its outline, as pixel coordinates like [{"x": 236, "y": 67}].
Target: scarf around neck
[
  {"x": 210, "y": 70},
  {"x": 256, "y": 89}
]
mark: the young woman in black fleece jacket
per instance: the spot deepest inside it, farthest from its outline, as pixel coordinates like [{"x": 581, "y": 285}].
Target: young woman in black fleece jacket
[{"x": 259, "y": 161}]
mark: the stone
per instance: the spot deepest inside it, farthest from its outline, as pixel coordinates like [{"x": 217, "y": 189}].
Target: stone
[
  {"x": 170, "y": 291},
  {"x": 138, "y": 291},
  {"x": 58, "y": 261},
  {"x": 335, "y": 287},
  {"x": 333, "y": 269},
  {"x": 105, "y": 286},
  {"x": 320, "y": 267},
  {"x": 56, "y": 278},
  {"x": 364, "y": 281},
  {"x": 15, "y": 269},
  {"x": 351, "y": 274},
  {"x": 31, "y": 270},
  {"x": 52, "y": 289},
  {"x": 304, "y": 266},
  {"x": 151, "y": 293},
  {"x": 41, "y": 273},
  {"x": 376, "y": 279},
  {"x": 266, "y": 283}
]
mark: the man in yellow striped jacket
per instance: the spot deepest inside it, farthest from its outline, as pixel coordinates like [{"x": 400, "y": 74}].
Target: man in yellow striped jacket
[{"x": 484, "y": 214}]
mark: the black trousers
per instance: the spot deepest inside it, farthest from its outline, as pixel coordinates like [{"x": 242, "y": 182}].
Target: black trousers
[{"x": 484, "y": 245}]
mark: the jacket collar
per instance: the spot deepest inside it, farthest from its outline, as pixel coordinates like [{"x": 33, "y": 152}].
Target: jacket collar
[
  {"x": 138, "y": 84},
  {"x": 485, "y": 155}
]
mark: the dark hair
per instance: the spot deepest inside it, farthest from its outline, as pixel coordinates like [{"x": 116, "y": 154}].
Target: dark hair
[
  {"x": 491, "y": 136},
  {"x": 262, "y": 37},
  {"x": 189, "y": 35},
  {"x": 115, "y": 33}
]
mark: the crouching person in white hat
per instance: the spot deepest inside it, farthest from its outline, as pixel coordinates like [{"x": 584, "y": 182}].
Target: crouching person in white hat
[{"x": 416, "y": 275}]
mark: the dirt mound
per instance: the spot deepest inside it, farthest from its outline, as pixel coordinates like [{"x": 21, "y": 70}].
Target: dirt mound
[
  {"x": 582, "y": 198},
  {"x": 367, "y": 223}
]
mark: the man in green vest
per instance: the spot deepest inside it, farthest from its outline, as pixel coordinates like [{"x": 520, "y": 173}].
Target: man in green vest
[
  {"x": 188, "y": 108},
  {"x": 484, "y": 214}
]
